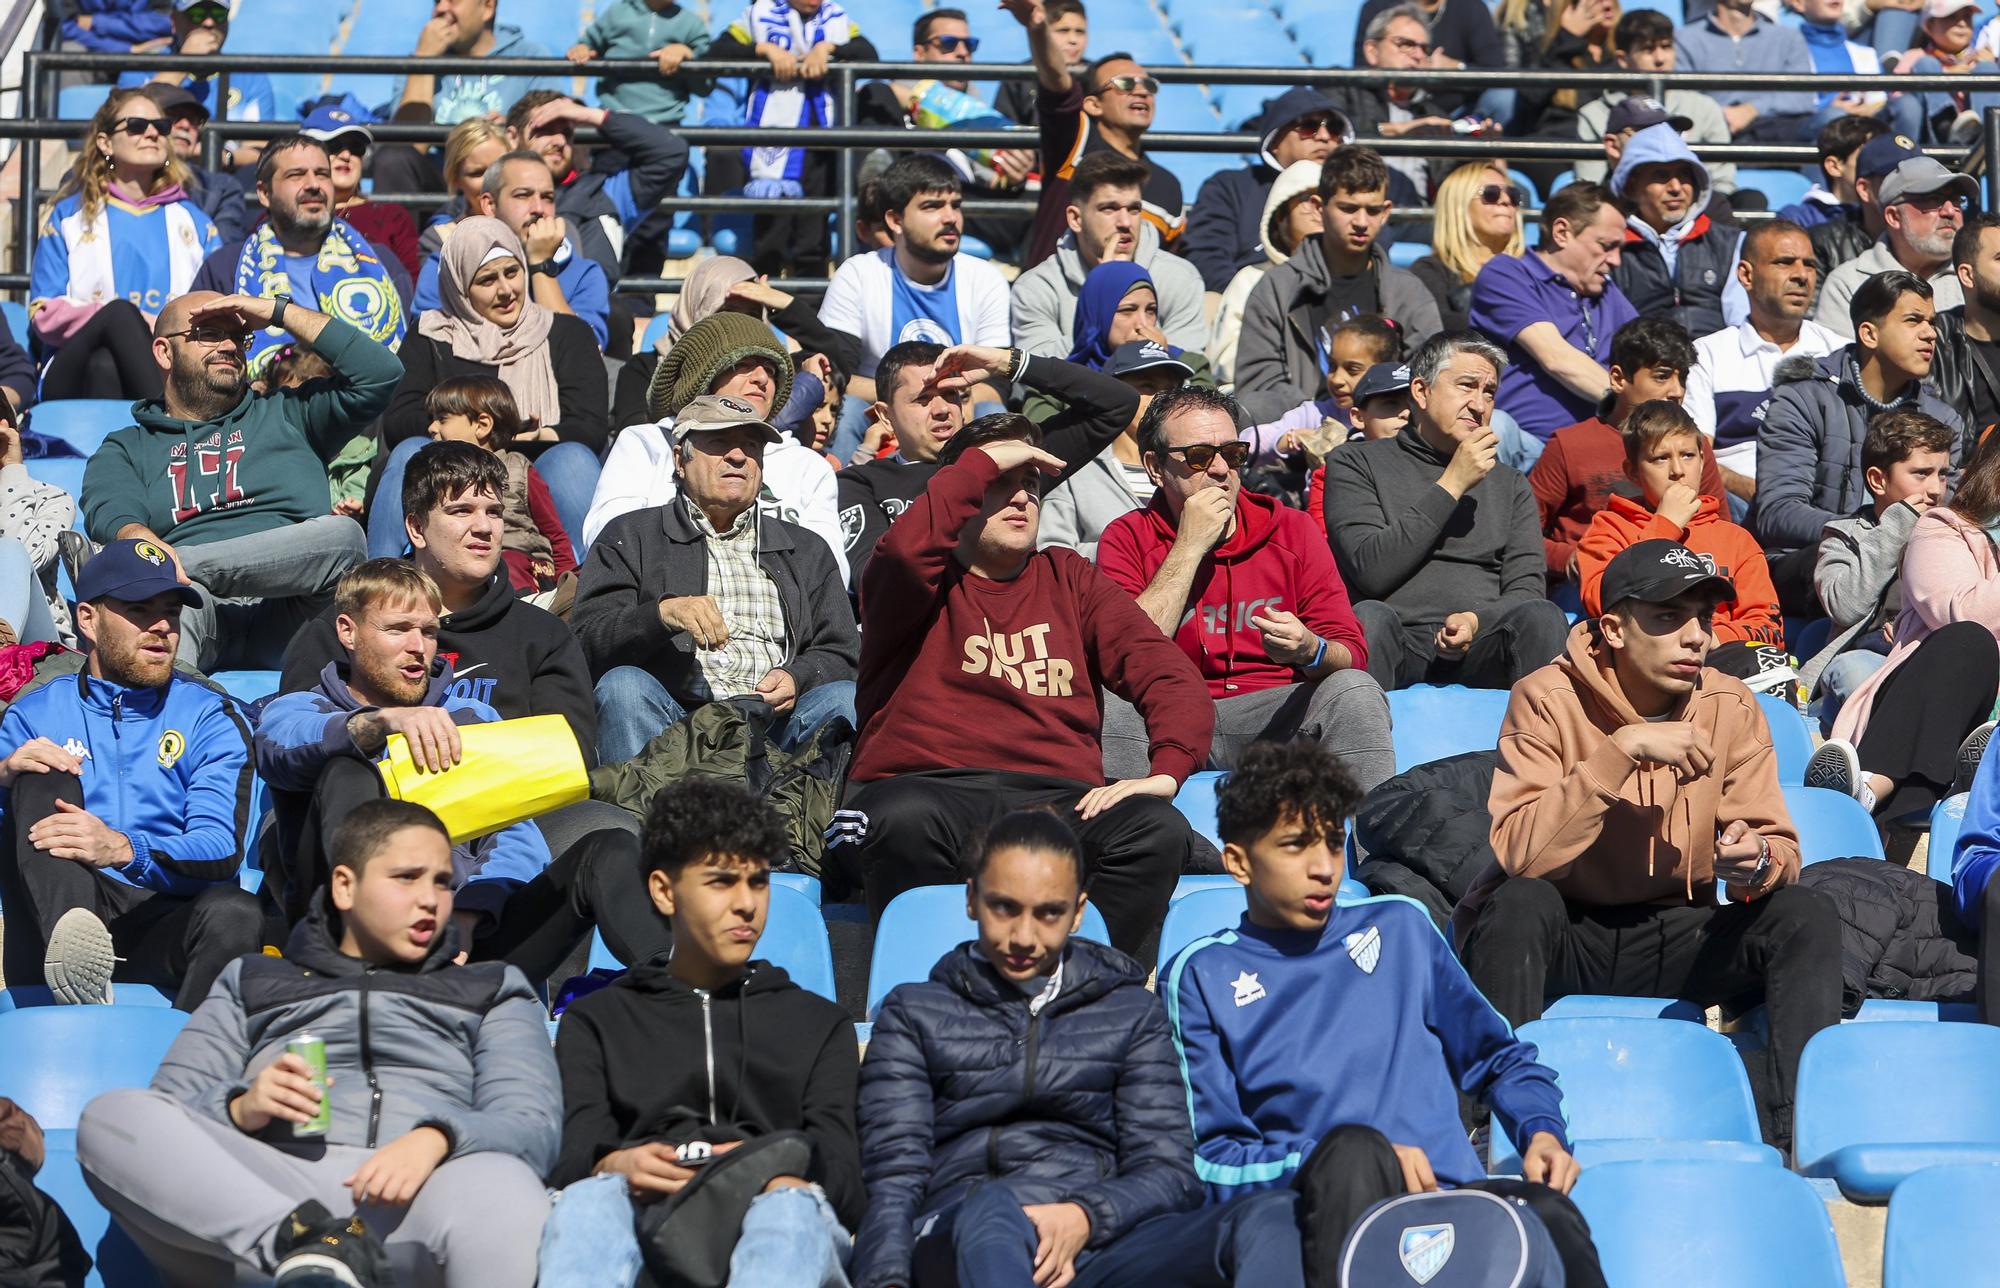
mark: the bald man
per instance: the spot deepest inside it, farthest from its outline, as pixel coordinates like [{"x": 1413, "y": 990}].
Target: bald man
[{"x": 231, "y": 484}]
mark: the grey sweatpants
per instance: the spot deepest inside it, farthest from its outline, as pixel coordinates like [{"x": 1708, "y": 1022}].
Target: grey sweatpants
[
  {"x": 1346, "y": 713},
  {"x": 203, "y": 1201}
]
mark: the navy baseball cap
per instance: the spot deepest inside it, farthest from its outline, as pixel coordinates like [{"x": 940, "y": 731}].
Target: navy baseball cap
[
  {"x": 1144, "y": 355},
  {"x": 1636, "y": 112},
  {"x": 328, "y": 123},
  {"x": 1884, "y": 153},
  {"x": 1660, "y": 571},
  {"x": 132, "y": 571},
  {"x": 1382, "y": 378}
]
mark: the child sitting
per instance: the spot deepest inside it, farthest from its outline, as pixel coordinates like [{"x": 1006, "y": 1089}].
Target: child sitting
[
  {"x": 1304, "y": 435},
  {"x": 480, "y": 410}
]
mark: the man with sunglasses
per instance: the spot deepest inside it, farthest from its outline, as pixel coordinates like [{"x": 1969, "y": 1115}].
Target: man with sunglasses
[
  {"x": 217, "y": 192},
  {"x": 199, "y": 28},
  {"x": 1246, "y": 588},
  {"x": 1923, "y": 207},
  {"x": 231, "y": 483},
  {"x": 1225, "y": 230}
]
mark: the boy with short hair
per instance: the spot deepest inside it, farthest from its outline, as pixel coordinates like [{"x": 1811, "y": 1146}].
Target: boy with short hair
[
  {"x": 1643, "y": 41},
  {"x": 439, "y": 1088},
  {"x": 705, "y": 1044},
  {"x": 1264, "y": 1016}
]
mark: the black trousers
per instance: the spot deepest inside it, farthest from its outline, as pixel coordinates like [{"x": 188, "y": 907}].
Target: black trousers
[
  {"x": 920, "y": 829},
  {"x": 1936, "y": 696},
  {"x": 1792, "y": 578},
  {"x": 170, "y": 941},
  {"x": 597, "y": 880},
  {"x": 109, "y": 356},
  {"x": 1354, "y": 1167},
  {"x": 1528, "y": 943},
  {"x": 1524, "y": 638}
]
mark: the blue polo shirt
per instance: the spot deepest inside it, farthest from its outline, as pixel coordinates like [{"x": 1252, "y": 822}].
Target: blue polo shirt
[{"x": 1513, "y": 293}]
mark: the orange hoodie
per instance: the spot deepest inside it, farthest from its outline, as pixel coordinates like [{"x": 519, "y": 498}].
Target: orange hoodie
[
  {"x": 1752, "y": 617},
  {"x": 1571, "y": 807}
]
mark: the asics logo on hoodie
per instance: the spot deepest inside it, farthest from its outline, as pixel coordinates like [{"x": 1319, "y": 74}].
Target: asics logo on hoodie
[{"x": 1220, "y": 619}]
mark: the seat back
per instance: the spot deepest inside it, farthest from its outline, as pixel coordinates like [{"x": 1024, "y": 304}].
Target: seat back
[
  {"x": 83, "y": 423},
  {"x": 1947, "y": 817},
  {"x": 1896, "y": 1083},
  {"x": 1941, "y": 1224},
  {"x": 924, "y": 923},
  {"x": 1432, "y": 721},
  {"x": 1682, "y": 1223},
  {"x": 794, "y": 937},
  {"x": 53, "y": 1059},
  {"x": 1791, "y": 739},
  {"x": 1196, "y": 802},
  {"x": 1198, "y": 910},
  {"x": 116, "y": 1260},
  {"x": 1831, "y": 826}
]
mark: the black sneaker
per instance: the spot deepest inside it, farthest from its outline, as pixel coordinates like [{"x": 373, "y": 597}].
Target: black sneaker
[
  {"x": 1970, "y": 752},
  {"x": 316, "y": 1249}
]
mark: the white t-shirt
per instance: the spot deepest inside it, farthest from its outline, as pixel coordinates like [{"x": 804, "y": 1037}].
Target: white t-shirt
[
  {"x": 1730, "y": 385},
  {"x": 869, "y": 297}
]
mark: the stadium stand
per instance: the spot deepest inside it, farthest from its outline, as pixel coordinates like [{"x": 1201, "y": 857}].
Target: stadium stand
[{"x": 1726, "y": 1224}]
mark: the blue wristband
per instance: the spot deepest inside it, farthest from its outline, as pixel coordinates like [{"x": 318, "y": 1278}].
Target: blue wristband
[{"x": 1318, "y": 657}]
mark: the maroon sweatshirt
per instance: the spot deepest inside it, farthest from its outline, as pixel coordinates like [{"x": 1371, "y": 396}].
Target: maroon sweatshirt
[
  {"x": 1276, "y": 558},
  {"x": 963, "y": 672}
]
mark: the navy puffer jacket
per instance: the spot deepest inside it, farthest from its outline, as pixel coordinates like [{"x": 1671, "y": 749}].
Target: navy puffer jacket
[{"x": 1080, "y": 1104}]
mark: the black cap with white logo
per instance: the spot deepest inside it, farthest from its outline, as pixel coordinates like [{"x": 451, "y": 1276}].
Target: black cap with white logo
[{"x": 1655, "y": 572}]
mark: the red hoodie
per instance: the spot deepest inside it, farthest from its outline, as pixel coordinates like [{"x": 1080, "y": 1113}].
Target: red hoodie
[
  {"x": 1752, "y": 616},
  {"x": 962, "y": 672},
  {"x": 1276, "y": 558}
]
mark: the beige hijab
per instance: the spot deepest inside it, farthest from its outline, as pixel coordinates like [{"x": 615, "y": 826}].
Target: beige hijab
[
  {"x": 521, "y": 352},
  {"x": 702, "y": 293}
]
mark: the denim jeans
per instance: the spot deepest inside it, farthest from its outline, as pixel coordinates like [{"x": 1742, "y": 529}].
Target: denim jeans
[
  {"x": 789, "y": 1239},
  {"x": 1518, "y": 448},
  {"x": 633, "y": 708},
  {"x": 569, "y": 469},
  {"x": 1936, "y": 104},
  {"x": 22, "y": 604},
  {"x": 1841, "y": 678},
  {"x": 257, "y": 591},
  {"x": 1903, "y": 114}
]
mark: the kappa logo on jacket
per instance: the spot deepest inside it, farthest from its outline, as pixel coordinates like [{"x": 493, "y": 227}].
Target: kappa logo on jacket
[
  {"x": 77, "y": 749},
  {"x": 1365, "y": 947}
]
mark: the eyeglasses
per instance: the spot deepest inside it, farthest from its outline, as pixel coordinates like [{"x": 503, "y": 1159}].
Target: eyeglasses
[
  {"x": 1131, "y": 85},
  {"x": 138, "y": 125},
  {"x": 1494, "y": 194},
  {"x": 950, "y": 44},
  {"x": 211, "y": 335},
  {"x": 1199, "y": 455},
  {"x": 200, "y": 13},
  {"x": 1930, "y": 201},
  {"x": 1312, "y": 126},
  {"x": 1409, "y": 46}
]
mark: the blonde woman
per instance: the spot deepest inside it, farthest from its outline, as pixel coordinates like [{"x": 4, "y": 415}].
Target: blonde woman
[
  {"x": 121, "y": 239},
  {"x": 1477, "y": 216},
  {"x": 472, "y": 145},
  {"x": 1555, "y": 36}
]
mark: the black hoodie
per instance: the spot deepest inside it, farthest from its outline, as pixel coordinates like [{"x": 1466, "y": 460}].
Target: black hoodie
[
  {"x": 516, "y": 658},
  {"x": 649, "y": 1052}
]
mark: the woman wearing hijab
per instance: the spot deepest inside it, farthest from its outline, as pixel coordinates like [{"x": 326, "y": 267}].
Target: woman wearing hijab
[
  {"x": 1117, "y": 305},
  {"x": 487, "y": 323}
]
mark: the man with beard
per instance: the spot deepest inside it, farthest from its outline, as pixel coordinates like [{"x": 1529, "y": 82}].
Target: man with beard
[
  {"x": 1678, "y": 262},
  {"x": 128, "y": 796},
  {"x": 1923, "y": 207},
  {"x": 231, "y": 483},
  {"x": 217, "y": 192},
  {"x": 303, "y": 252}
]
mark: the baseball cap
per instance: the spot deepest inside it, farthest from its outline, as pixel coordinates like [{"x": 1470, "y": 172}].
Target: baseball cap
[
  {"x": 1922, "y": 176},
  {"x": 131, "y": 570},
  {"x": 1946, "y": 8},
  {"x": 172, "y": 99},
  {"x": 182, "y": 6},
  {"x": 720, "y": 411},
  {"x": 1382, "y": 378},
  {"x": 328, "y": 123},
  {"x": 1636, "y": 113},
  {"x": 1884, "y": 153},
  {"x": 1144, "y": 355},
  {"x": 1654, "y": 572}
]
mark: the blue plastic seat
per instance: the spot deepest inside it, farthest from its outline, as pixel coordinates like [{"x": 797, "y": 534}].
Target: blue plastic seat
[
  {"x": 83, "y": 423},
  {"x": 1947, "y": 817},
  {"x": 1432, "y": 721},
  {"x": 1191, "y": 884},
  {"x": 1880, "y": 1102},
  {"x": 1196, "y": 802},
  {"x": 1716, "y": 1224},
  {"x": 78, "y": 103},
  {"x": 1780, "y": 187},
  {"x": 1941, "y": 1226},
  {"x": 53, "y": 1059},
  {"x": 1831, "y": 826},
  {"x": 806, "y": 885},
  {"x": 1579, "y": 1006},
  {"x": 65, "y": 472},
  {"x": 656, "y": 330},
  {"x": 25, "y": 995},
  {"x": 248, "y": 686},
  {"x": 16, "y": 314},
  {"x": 921, "y": 925},
  {"x": 117, "y": 1261},
  {"x": 1645, "y": 1088},
  {"x": 1790, "y": 738},
  {"x": 1207, "y": 909},
  {"x": 794, "y": 937}
]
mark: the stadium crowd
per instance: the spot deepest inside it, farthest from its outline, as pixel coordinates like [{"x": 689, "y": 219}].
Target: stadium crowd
[{"x": 1021, "y": 525}]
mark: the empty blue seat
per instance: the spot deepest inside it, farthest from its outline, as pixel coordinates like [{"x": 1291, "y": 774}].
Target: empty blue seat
[
  {"x": 1790, "y": 738},
  {"x": 921, "y": 925},
  {"x": 1578, "y": 1006},
  {"x": 799, "y": 881},
  {"x": 1878, "y": 1010},
  {"x": 1645, "y": 1088},
  {"x": 65, "y": 472},
  {"x": 1941, "y": 1227},
  {"x": 78, "y": 103},
  {"x": 1432, "y": 721},
  {"x": 83, "y": 423},
  {"x": 1879, "y": 1102},
  {"x": 1780, "y": 187},
  {"x": 248, "y": 686},
  {"x": 1206, "y": 909},
  {"x": 16, "y": 314},
  {"x": 53, "y": 1059},
  {"x": 1189, "y": 885},
  {"x": 656, "y": 330},
  {"x": 1947, "y": 817},
  {"x": 117, "y": 1260},
  {"x": 1196, "y": 802},
  {"x": 1831, "y": 826},
  {"x": 20, "y": 995},
  {"x": 1688, "y": 1222},
  {"x": 794, "y": 937}
]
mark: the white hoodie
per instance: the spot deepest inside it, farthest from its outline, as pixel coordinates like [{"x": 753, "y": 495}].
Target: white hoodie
[{"x": 1296, "y": 178}]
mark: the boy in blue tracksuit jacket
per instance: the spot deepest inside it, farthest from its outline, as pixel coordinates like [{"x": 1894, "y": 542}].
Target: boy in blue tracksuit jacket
[
  {"x": 127, "y": 796},
  {"x": 1975, "y": 894},
  {"x": 1324, "y": 1047}
]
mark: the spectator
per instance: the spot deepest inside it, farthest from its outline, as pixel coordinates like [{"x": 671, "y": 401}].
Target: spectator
[
  {"x": 1972, "y": 883},
  {"x": 1733, "y": 38},
  {"x": 1833, "y": 54},
  {"x": 660, "y": 1035},
  {"x": 1644, "y": 43},
  {"x": 463, "y": 29},
  {"x": 1962, "y": 371},
  {"x": 1396, "y": 39},
  {"x": 1357, "y": 347},
  {"x": 470, "y": 150},
  {"x": 1341, "y": 1130},
  {"x": 1585, "y": 463},
  {"x": 1292, "y": 217},
  {"x": 706, "y": 599},
  {"x": 1835, "y": 197},
  {"x": 1555, "y": 310},
  {"x": 121, "y": 240},
  {"x": 347, "y": 138},
  {"x": 218, "y": 193},
  {"x": 1439, "y": 541},
  {"x": 248, "y": 517},
  {"x": 975, "y": 1167},
  {"x": 1477, "y": 218},
  {"x": 1069, "y": 28},
  {"x": 1224, "y": 236},
  {"x": 1626, "y": 717},
  {"x": 128, "y": 801},
  {"x": 1117, "y": 305},
  {"x": 1922, "y": 210},
  {"x": 1678, "y": 262},
  {"x": 1729, "y": 389},
  {"x": 1108, "y": 108},
  {"x": 1851, "y": 228},
  {"x": 1344, "y": 274},
  {"x": 33, "y": 515},
  {"x": 1905, "y": 463},
  {"x": 1247, "y": 589},
  {"x": 488, "y": 321},
  {"x": 1462, "y": 38},
  {"x": 304, "y": 252},
  {"x": 199, "y": 29},
  {"x": 1076, "y": 511},
  {"x": 17, "y": 377},
  {"x": 117, "y": 27},
  {"x": 480, "y": 410},
  {"x": 39, "y": 1248},
  {"x": 948, "y": 581},
  {"x": 452, "y": 1075},
  {"x": 1107, "y": 224},
  {"x": 1809, "y": 470},
  {"x": 664, "y": 30},
  {"x": 1948, "y": 49}
]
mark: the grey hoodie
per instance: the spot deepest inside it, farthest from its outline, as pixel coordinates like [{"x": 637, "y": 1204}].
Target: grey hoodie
[
  {"x": 1044, "y": 308},
  {"x": 1860, "y": 560},
  {"x": 1078, "y": 510}
]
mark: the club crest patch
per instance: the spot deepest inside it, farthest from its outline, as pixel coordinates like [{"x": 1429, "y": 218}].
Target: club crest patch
[
  {"x": 1365, "y": 947},
  {"x": 1425, "y": 1249},
  {"x": 850, "y": 526},
  {"x": 151, "y": 553},
  {"x": 1247, "y": 988},
  {"x": 172, "y": 744}
]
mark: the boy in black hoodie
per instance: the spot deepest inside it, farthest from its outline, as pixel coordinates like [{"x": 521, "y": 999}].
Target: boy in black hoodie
[{"x": 701, "y": 1039}]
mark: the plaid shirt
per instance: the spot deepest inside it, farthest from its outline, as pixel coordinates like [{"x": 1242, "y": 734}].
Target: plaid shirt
[{"x": 748, "y": 601}]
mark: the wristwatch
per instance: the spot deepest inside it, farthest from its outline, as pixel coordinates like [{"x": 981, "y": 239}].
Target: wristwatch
[
  {"x": 279, "y": 305},
  {"x": 546, "y": 268},
  {"x": 1763, "y": 860}
]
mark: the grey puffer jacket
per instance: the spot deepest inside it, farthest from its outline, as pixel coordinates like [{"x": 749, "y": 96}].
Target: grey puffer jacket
[{"x": 464, "y": 1049}]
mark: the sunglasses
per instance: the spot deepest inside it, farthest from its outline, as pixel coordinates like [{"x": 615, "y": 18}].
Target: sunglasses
[
  {"x": 1131, "y": 85},
  {"x": 198, "y": 14},
  {"x": 1494, "y": 194},
  {"x": 138, "y": 125},
  {"x": 1199, "y": 455},
  {"x": 950, "y": 44},
  {"x": 1311, "y": 126},
  {"x": 211, "y": 335}
]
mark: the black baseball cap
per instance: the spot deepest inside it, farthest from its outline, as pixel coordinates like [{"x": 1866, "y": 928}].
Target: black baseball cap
[
  {"x": 1144, "y": 355},
  {"x": 1636, "y": 112},
  {"x": 132, "y": 571},
  {"x": 173, "y": 101},
  {"x": 1658, "y": 571},
  {"x": 1382, "y": 378},
  {"x": 1884, "y": 153}
]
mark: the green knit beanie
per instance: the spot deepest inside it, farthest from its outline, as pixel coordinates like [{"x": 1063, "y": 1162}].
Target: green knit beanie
[{"x": 706, "y": 353}]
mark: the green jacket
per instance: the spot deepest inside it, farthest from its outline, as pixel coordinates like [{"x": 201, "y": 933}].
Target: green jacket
[
  {"x": 632, "y": 29},
  {"x": 263, "y": 465}
]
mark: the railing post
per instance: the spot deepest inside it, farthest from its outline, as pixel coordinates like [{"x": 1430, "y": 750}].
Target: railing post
[
  {"x": 844, "y": 246},
  {"x": 211, "y": 142},
  {"x": 28, "y": 214},
  {"x": 1992, "y": 138}
]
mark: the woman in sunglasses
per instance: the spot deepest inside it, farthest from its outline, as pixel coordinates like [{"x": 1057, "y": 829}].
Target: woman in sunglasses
[
  {"x": 121, "y": 240},
  {"x": 1478, "y": 216}
]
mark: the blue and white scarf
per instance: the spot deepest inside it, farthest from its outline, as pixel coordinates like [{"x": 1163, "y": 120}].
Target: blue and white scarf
[
  {"x": 776, "y": 171},
  {"x": 348, "y": 282}
]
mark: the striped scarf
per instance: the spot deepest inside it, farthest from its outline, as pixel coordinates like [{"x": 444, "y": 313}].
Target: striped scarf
[
  {"x": 776, "y": 171},
  {"x": 348, "y": 283}
]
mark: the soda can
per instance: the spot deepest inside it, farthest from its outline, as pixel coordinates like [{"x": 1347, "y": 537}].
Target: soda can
[{"x": 313, "y": 1051}]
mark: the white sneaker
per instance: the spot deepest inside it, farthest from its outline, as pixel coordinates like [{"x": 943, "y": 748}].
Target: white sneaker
[
  {"x": 1969, "y": 753},
  {"x": 1835, "y": 766},
  {"x": 79, "y": 960}
]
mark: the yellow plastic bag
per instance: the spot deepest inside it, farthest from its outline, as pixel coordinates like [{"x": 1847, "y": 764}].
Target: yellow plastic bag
[{"x": 511, "y": 770}]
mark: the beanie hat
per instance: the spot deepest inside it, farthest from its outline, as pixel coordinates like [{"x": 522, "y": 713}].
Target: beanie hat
[{"x": 706, "y": 352}]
